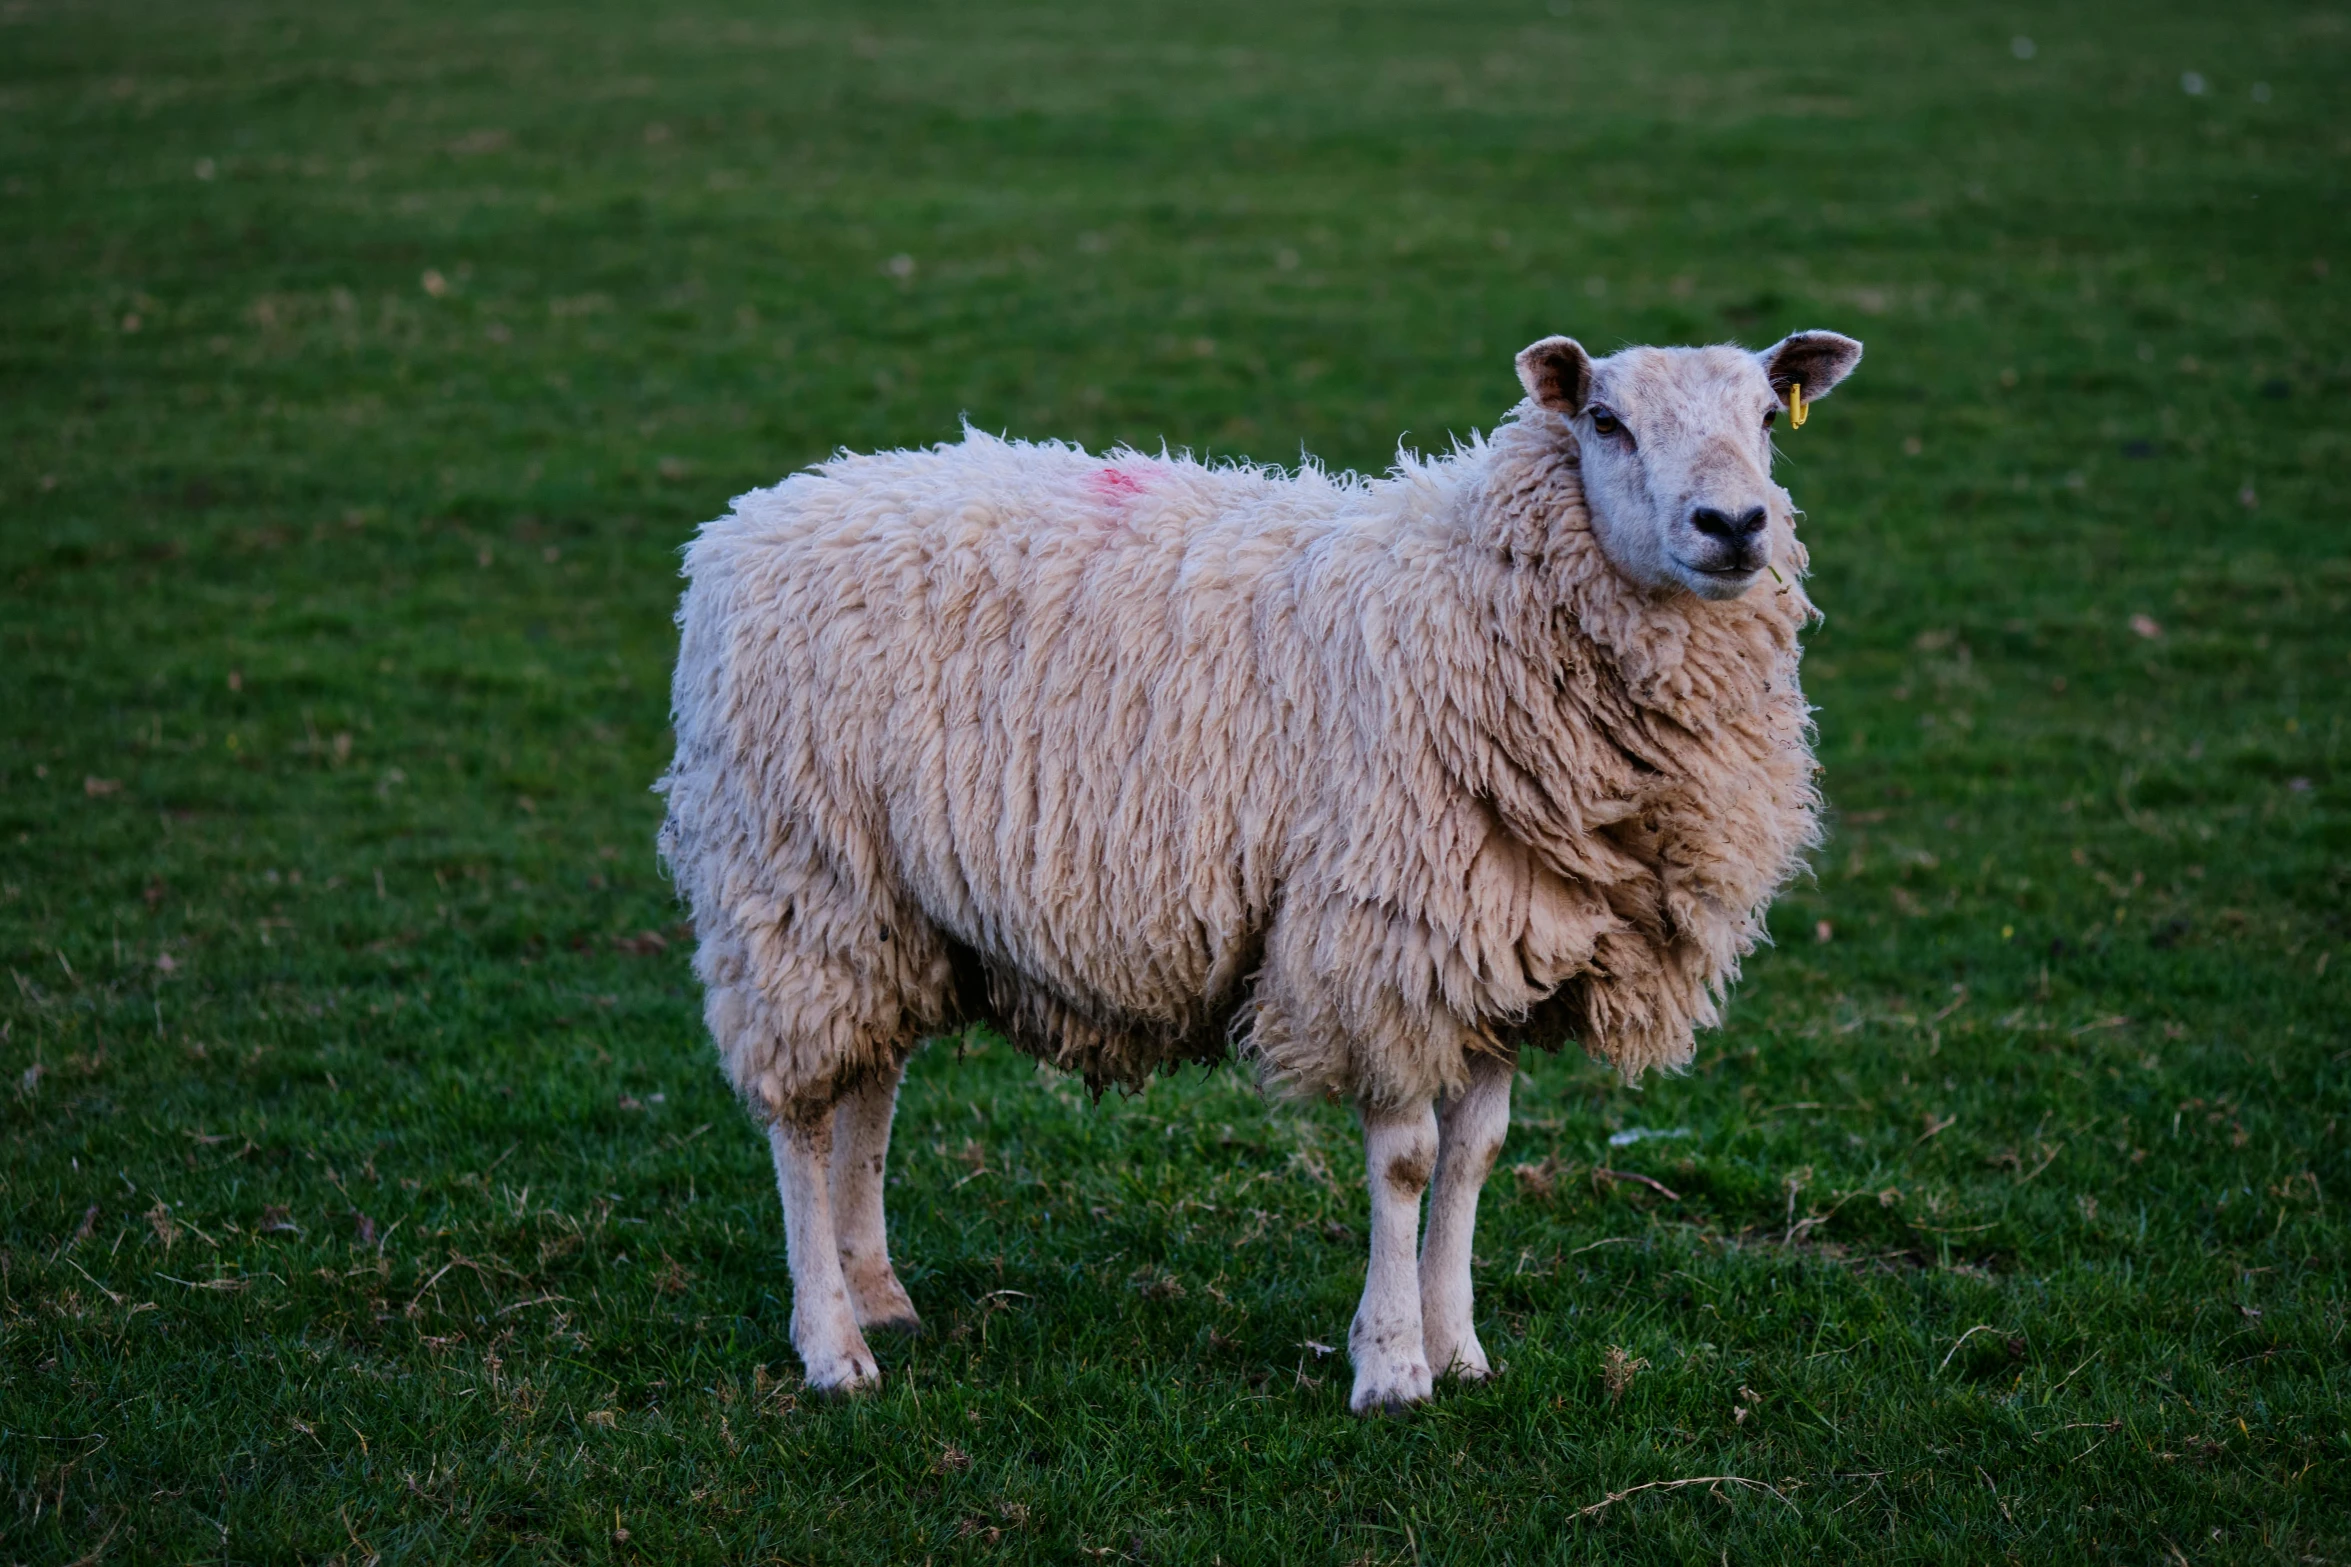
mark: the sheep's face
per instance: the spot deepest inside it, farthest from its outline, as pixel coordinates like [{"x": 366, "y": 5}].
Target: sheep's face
[{"x": 1676, "y": 450}]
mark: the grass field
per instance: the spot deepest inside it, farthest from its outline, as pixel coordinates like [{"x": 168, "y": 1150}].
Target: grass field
[{"x": 368, "y": 1190}]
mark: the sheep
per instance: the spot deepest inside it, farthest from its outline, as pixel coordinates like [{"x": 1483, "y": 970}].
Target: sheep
[{"x": 1373, "y": 783}]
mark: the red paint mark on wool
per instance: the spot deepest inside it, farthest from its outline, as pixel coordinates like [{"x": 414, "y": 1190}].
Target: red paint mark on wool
[
  {"x": 1115, "y": 491},
  {"x": 1117, "y": 485}
]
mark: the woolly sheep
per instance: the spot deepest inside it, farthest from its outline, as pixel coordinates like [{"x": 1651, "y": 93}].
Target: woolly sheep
[{"x": 1147, "y": 761}]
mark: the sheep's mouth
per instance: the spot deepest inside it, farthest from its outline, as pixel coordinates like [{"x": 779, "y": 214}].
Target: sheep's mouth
[
  {"x": 1721, "y": 582},
  {"x": 1737, "y": 571}
]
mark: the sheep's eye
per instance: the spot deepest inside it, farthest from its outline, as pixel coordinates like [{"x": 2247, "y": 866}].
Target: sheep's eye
[
  {"x": 1771, "y": 416},
  {"x": 1604, "y": 422}
]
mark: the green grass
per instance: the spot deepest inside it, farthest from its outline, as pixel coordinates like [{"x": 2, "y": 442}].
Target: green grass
[{"x": 368, "y": 1189}]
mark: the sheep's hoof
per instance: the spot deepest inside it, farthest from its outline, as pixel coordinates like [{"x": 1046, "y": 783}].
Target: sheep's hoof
[
  {"x": 843, "y": 1391},
  {"x": 841, "y": 1376},
  {"x": 1397, "y": 1394},
  {"x": 880, "y": 1303},
  {"x": 1467, "y": 1364}
]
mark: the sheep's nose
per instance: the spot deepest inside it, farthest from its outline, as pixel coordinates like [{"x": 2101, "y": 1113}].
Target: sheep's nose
[{"x": 1716, "y": 524}]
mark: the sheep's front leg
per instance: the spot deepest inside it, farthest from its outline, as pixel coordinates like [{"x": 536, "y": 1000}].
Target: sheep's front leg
[
  {"x": 1470, "y": 1128},
  {"x": 1391, "y": 1366},
  {"x": 824, "y": 1324},
  {"x": 861, "y": 1149}
]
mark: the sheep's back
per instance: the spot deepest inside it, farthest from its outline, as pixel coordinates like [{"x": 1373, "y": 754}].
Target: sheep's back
[{"x": 1017, "y": 688}]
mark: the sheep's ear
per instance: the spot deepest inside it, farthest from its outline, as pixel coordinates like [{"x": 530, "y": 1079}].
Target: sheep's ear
[
  {"x": 1816, "y": 361},
  {"x": 1558, "y": 374}
]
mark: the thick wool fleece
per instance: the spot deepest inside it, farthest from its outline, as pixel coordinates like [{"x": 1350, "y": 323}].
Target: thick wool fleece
[{"x": 1143, "y": 758}]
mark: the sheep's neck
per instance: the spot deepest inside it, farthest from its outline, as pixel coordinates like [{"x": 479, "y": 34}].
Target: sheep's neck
[{"x": 1581, "y": 709}]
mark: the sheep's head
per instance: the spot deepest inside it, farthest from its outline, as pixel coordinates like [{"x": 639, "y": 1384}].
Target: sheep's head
[{"x": 1676, "y": 450}]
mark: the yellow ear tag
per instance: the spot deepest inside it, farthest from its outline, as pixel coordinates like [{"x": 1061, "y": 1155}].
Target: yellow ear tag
[{"x": 1796, "y": 409}]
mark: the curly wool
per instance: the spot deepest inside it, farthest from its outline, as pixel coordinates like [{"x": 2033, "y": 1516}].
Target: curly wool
[{"x": 1143, "y": 759}]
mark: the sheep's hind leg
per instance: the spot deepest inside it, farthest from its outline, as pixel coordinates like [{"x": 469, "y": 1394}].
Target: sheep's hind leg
[
  {"x": 1391, "y": 1365},
  {"x": 824, "y": 1324},
  {"x": 1470, "y": 1129},
  {"x": 861, "y": 1150}
]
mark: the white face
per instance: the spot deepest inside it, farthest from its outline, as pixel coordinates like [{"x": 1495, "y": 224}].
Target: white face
[
  {"x": 1677, "y": 449},
  {"x": 1677, "y": 468}
]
